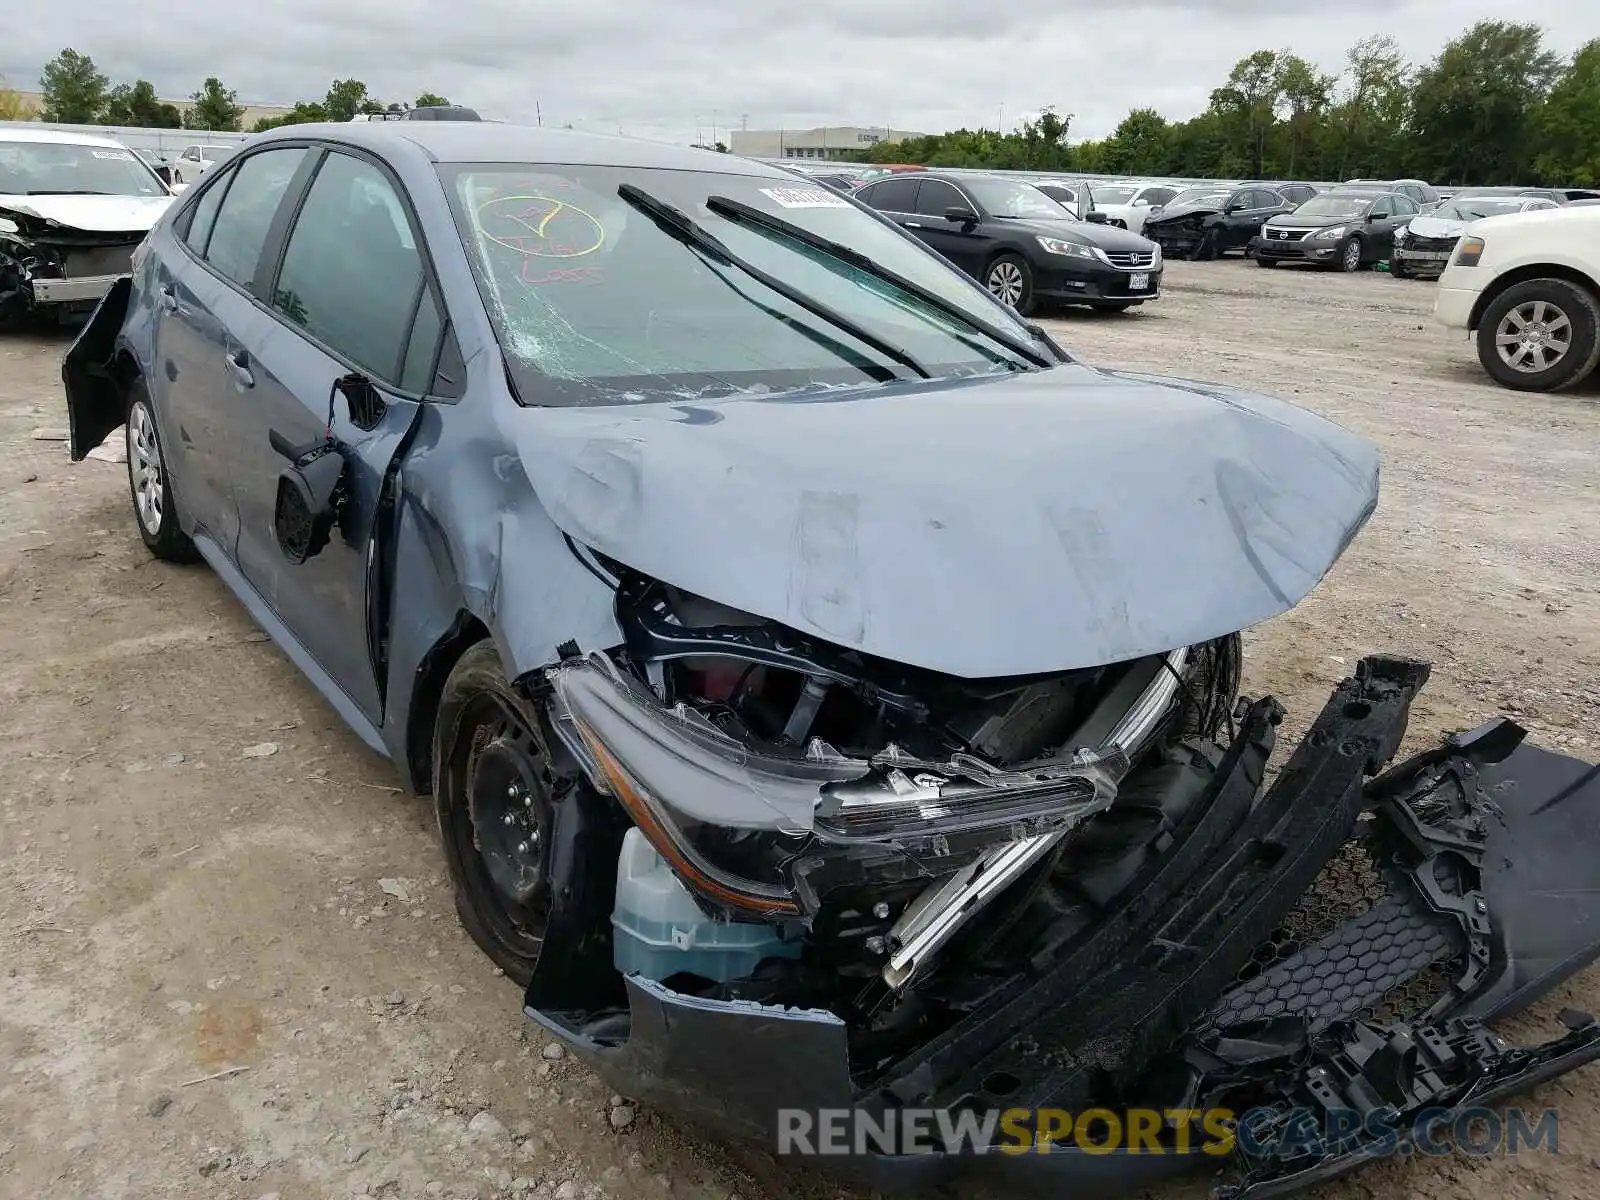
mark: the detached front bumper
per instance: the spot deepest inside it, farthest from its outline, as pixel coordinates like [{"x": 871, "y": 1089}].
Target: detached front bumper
[{"x": 1158, "y": 1006}]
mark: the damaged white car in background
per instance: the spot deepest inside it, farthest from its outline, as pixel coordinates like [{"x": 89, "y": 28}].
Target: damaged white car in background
[{"x": 73, "y": 208}]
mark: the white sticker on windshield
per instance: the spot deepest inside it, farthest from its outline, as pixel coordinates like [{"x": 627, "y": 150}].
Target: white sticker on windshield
[
  {"x": 122, "y": 155},
  {"x": 805, "y": 197}
]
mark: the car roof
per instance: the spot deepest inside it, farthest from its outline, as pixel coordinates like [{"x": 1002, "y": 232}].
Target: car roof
[
  {"x": 493, "y": 142},
  {"x": 59, "y": 137}
]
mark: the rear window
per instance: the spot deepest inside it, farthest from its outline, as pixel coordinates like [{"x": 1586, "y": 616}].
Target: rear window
[{"x": 594, "y": 303}]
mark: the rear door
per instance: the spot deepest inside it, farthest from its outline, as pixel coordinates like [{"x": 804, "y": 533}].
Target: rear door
[
  {"x": 896, "y": 198},
  {"x": 351, "y": 295},
  {"x": 205, "y": 296}
]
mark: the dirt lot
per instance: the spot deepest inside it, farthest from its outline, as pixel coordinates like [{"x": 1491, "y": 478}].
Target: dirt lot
[{"x": 178, "y": 898}]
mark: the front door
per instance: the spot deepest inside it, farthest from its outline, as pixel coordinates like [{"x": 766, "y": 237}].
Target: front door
[
  {"x": 963, "y": 243},
  {"x": 349, "y": 299}
]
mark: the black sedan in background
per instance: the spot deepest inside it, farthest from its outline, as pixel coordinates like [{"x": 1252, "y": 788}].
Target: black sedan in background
[
  {"x": 1346, "y": 229},
  {"x": 1209, "y": 221},
  {"x": 1019, "y": 243}
]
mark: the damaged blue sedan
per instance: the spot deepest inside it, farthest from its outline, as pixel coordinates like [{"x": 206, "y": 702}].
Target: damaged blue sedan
[{"x": 828, "y": 686}]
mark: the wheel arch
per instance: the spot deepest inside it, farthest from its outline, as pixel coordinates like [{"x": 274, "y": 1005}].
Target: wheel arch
[
  {"x": 427, "y": 688},
  {"x": 1526, "y": 274}
]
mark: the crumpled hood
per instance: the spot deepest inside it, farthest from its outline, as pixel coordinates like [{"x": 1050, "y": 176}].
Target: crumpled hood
[
  {"x": 1436, "y": 226},
  {"x": 1037, "y": 522},
  {"x": 91, "y": 214},
  {"x": 1181, "y": 211}
]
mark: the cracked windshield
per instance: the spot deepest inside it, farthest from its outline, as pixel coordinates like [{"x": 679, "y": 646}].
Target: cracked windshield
[{"x": 596, "y": 303}]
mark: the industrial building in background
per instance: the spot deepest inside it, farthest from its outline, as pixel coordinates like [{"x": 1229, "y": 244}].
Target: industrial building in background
[{"x": 827, "y": 142}]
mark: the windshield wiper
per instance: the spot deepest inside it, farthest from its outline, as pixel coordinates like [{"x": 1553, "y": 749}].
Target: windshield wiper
[
  {"x": 58, "y": 192},
  {"x": 677, "y": 223},
  {"x": 738, "y": 211}
]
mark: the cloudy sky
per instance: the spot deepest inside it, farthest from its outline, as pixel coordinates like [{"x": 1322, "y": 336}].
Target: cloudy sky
[{"x": 674, "y": 68}]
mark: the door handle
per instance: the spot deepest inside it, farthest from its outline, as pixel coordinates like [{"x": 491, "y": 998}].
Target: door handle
[
  {"x": 169, "y": 298},
  {"x": 239, "y": 367}
]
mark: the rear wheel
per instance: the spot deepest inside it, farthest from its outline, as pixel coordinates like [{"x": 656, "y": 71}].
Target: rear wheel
[
  {"x": 1540, "y": 335},
  {"x": 493, "y": 794},
  {"x": 154, "y": 507},
  {"x": 1010, "y": 281}
]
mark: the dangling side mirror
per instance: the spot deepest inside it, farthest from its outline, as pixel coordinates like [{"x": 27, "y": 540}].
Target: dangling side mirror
[{"x": 310, "y": 495}]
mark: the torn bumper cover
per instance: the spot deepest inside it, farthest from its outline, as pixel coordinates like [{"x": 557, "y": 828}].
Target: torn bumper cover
[{"x": 1204, "y": 984}]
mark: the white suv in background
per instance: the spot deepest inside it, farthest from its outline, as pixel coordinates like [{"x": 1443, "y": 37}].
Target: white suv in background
[{"x": 1528, "y": 285}]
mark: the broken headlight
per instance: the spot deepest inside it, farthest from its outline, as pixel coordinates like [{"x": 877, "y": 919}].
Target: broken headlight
[{"x": 732, "y": 819}]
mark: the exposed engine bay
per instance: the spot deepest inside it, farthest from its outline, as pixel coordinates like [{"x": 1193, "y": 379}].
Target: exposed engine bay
[
  {"x": 893, "y": 888},
  {"x": 46, "y": 267}
]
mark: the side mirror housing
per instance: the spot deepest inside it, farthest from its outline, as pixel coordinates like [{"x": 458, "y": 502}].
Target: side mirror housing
[
  {"x": 1236, "y": 206},
  {"x": 1096, "y": 217},
  {"x": 961, "y": 216},
  {"x": 1141, "y": 202}
]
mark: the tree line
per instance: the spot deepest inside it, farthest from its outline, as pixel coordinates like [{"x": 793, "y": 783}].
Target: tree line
[
  {"x": 1495, "y": 106},
  {"x": 74, "y": 91}
]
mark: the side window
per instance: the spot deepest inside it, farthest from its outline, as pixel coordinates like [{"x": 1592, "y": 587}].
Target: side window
[
  {"x": 1241, "y": 200},
  {"x": 1265, "y": 199},
  {"x": 241, "y": 225},
  {"x": 1381, "y": 208},
  {"x": 1158, "y": 196},
  {"x": 422, "y": 347},
  {"x": 1405, "y": 206},
  {"x": 895, "y": 194},
  {"x": 351, "y": 273},
  {"x": 936, "y": 195},
  {"x": 204, "y": 215},
  {"x": 191, "y": 153}
]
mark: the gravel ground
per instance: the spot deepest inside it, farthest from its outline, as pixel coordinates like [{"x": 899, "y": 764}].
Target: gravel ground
[{"x": 230, "y": 963}]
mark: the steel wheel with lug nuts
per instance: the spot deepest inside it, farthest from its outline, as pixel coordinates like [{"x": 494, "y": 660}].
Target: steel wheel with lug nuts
[
  {"x": 1540, "y": 335},
  {"x": 1010, "y": 281},
  {"x": 151, "y": 486},
  {"x": 494, "y": 795}
]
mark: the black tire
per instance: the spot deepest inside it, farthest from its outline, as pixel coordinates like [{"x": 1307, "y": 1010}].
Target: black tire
[
  {"x": 492, "y": 795},
  {"x": 1398, "y": 270},
  {"x": 155, "y": 505},
  {"x": 1210, "y": 247},
  {"x": 1566, "y": 329},
  {"x": 1009, "y": 279},
  {"x": 1352, "y": 254}
]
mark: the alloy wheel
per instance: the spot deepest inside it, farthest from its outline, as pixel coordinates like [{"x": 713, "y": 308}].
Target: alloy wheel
[
  {"x": 1352, "y": 256},
  {"x": 1005, "y": 283},
  {"x": 1533, "y": 337},
  {"x": 145, "y": 465}
]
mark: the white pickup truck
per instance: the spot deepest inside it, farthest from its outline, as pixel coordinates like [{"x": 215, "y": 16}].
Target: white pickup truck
[{"x": 1528, "y": 286}]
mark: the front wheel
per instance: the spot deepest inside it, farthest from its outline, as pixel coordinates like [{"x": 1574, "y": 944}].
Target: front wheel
[
  {"x": 154, "y": 507},
  {"x": 1541, "y": 335},
  {"x": 1010, "y": 281},
  {"x": 1351, "y": 254},
  {"x": 1398, "y": 269},
  {"x": 1210, "y": 247},
  {"x": 493, "y": 794}
]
